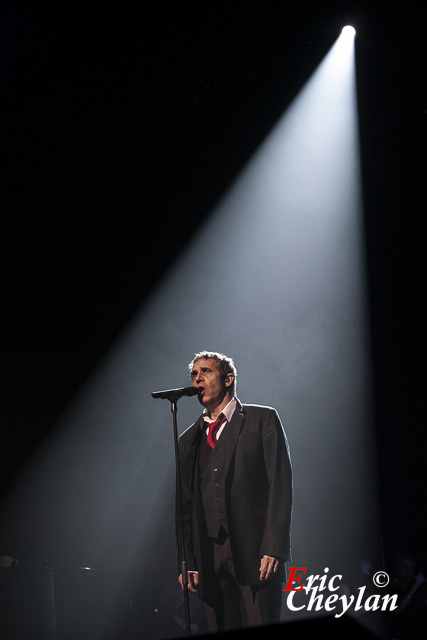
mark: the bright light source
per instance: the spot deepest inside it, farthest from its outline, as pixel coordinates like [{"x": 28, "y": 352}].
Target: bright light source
[{"x": 349, "y": 31}]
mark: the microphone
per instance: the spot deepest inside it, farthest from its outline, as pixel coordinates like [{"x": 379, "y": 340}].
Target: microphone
[{"x": 175, "y": 394}]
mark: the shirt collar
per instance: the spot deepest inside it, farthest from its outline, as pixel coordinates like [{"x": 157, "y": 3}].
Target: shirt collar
[{"x": 227, "y": 412}]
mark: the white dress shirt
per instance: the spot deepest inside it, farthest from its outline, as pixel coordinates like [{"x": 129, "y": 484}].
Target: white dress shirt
[{"x": 227, "y": 412}]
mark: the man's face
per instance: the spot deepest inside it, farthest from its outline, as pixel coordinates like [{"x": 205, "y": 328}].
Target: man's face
[{"x": 207, "y": 378}]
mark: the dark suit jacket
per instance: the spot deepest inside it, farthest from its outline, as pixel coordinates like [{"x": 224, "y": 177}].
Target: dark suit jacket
[{"x": 258, "y": 494}]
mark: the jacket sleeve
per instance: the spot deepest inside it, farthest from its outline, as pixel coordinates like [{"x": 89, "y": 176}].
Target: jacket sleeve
[{"x": 276, "y": 537}]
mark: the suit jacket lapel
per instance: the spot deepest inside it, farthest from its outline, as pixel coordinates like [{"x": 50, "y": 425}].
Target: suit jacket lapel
[
  {"x": 193, "y": 455},
  {"x": 235, "y": 426}
]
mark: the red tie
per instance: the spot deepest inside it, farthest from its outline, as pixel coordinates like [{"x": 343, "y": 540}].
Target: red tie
[{"x": 213, "y": 428}]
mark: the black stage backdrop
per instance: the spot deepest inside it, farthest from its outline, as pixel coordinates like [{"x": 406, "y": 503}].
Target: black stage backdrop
[{"x": 121, "y": 128}]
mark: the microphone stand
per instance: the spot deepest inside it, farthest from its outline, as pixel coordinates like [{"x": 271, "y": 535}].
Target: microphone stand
[
  {"x": 184, "y": 573},
  {"x": 173, "y": 395}
]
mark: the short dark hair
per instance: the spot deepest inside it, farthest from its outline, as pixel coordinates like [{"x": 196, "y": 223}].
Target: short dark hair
[{"x": 224, "y": 364}]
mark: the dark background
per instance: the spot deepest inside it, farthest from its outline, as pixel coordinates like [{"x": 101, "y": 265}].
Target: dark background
[{"x": 121, "y": 126}]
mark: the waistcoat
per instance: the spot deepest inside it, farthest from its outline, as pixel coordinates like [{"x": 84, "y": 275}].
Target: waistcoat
[{"x": 212, "y": 483}]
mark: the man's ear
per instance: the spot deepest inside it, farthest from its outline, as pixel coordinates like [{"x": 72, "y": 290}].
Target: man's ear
[{"x": 229, "y": 379}]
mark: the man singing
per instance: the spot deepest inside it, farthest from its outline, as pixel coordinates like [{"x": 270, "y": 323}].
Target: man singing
[{"x": 236, "y": 486}]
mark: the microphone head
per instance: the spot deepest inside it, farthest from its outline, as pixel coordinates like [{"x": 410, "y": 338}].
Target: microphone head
[{"x": 191, "y": 391}]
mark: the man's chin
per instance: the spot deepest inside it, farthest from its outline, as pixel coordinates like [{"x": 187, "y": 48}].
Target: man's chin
[{"x": 200, "y": 398}]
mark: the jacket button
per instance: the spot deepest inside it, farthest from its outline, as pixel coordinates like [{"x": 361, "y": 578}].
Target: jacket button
[{"x": 215, "y": 469}]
